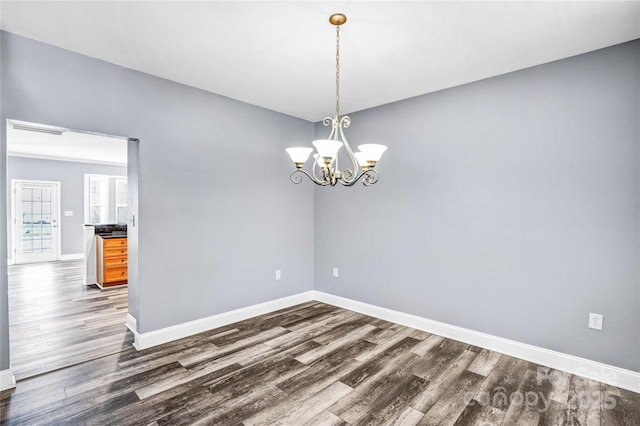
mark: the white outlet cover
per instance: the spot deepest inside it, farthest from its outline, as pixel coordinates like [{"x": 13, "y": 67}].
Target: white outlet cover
[
  {"x": 278, "y": 274},
  {"x": 595, "y": 321},
  {"x": 335, "y": 272},
  {"x": 68, "y": 213}
]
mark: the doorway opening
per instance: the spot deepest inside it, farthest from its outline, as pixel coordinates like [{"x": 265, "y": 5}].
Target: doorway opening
[{"x": 57, "y": 316}]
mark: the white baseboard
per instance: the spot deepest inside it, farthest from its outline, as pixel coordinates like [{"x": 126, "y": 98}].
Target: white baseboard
[
  {"x": 164, "y": 335},
  {"x": 7, "y": 380},
  {"x": 609, "y": 374},
  {"x": 132, "y": 323},
  {"x": 73, "y": 256}
]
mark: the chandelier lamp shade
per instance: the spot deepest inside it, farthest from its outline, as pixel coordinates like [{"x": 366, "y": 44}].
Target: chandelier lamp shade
[{"x": 324, "y": 169}]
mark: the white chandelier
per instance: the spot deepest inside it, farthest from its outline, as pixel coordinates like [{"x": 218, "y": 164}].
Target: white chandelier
[{"x": 325, "y": 169}]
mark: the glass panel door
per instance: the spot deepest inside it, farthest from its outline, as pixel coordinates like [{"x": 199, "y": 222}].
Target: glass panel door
[{"x": 36, "y": 221}]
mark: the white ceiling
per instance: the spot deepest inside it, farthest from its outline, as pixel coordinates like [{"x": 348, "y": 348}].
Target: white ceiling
[
  {"x": 280, "y": 55},
  {"x": 54, "y": 143}
]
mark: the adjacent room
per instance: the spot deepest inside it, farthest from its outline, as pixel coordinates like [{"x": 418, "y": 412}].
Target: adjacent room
[
  {"x": 320, "y": 213},
  {"x": 65, "y": 185}
]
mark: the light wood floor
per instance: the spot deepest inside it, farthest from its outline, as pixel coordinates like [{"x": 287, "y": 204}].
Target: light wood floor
[
  {"x": 314, "y": 364},
  {"x": 56, "y": 321}
]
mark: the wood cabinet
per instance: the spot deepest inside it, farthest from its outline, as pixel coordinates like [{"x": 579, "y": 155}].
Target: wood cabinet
[{"x": 111, "y": 258}]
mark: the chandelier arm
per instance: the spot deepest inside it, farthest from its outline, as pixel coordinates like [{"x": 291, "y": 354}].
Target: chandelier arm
[
  {"x": 313, "y": 168},
  {"x": 327, "y": 121},
  {"x": 330, "y": 121},
  {"x": 297, "y": 179},
  {"x": 337, "y": 132},
  {"x": 348, "y": 174},
  {"x": 370, "y": 177}
]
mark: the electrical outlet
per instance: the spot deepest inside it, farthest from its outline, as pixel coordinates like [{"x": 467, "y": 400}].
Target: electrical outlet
[
  {"x": 335, "y": 272},
  {"x": 595, "y": 321},
  {"x": 278, "y": 274}
]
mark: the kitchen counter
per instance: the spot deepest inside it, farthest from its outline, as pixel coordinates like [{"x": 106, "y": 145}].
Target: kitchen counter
[
  {"x": 106, "y": 232},
  {"x": 112, "y": 259}
]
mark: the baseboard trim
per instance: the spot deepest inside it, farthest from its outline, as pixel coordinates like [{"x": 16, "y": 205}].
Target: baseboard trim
[
  {"x": 62, "y": 257},
  {"x": 131, "y": 323},
  {"x": 73, "y": 256},
  {"x": 7, "y": 380},
  {"x": 165, "y": 335},
  {"x": 609, "y": 374},
  {"x": 594, "y": 370}
]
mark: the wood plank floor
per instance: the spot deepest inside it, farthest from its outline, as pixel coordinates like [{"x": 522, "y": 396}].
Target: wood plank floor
[
  {"x": 56, "y": 321},
  {"x": 314, "y": 364}
]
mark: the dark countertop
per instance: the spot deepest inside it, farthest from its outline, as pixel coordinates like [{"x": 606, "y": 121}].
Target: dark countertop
[{"x": 111, "y": 231}]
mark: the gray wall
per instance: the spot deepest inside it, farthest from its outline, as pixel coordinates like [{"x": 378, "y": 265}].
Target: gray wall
[
  {"x": 217, "y": 213},
  {"x": 507, "y": 206},
  {"x": 71, "y": 178}
]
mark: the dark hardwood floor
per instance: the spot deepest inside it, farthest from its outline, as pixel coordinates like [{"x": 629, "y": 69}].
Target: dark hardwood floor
[
  {"x": 56, "y": 321},
  {"x": 314, "y": 364}
]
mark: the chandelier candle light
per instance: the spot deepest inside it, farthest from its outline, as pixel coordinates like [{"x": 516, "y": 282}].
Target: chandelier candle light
[{"x": 325, "y": 169}]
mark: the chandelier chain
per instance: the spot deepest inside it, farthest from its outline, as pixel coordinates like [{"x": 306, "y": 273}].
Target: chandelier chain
[{"x": 337, "y": 72}]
